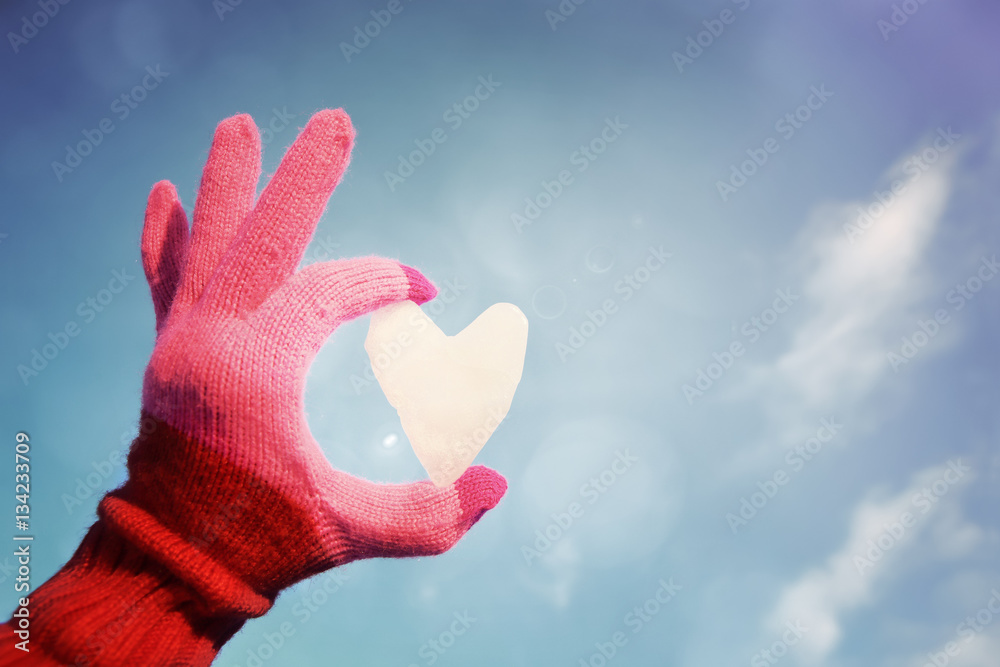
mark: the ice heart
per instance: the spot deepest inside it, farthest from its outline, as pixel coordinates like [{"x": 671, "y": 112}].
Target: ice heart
[{"x": 451, "y": 392}]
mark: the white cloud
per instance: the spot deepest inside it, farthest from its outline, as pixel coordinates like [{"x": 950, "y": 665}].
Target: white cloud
[
  {"x": 979, "y": 650},
  {"x": 857, "y": 293},
  {"x": 983, "y": 651},
  {"x": 858, "y": 288},
  {"x": 847, "y": 580}
]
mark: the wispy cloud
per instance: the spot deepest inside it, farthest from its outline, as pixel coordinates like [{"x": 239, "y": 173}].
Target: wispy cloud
[
  {"x": 882, "y": 535},
  {"x": 856, "y": 290},
  {"x": 982, "y": 651}
]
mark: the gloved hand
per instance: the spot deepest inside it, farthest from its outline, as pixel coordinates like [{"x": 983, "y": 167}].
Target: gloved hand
[{"x": 229, "y": 499}]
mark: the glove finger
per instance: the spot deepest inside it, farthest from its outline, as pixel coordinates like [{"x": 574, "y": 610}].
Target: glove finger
[
  {"x": 164, "y": 247},
  {"x": 225, "y": 198},
  {"x": 302, "y": 313},
  {"x": 271, "y": 243}
]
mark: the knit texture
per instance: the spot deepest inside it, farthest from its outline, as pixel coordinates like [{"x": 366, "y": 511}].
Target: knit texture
[{"x": 229, "y": 498}]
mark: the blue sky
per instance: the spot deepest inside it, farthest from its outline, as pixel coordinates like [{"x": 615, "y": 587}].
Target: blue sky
[{"x": 807, "y": 112}]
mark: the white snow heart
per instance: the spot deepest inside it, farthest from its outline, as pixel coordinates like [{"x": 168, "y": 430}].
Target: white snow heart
[{"x": 451, "y": 392}]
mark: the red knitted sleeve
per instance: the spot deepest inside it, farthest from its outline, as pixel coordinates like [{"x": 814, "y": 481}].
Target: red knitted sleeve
[{"x": 112, "y": 605}]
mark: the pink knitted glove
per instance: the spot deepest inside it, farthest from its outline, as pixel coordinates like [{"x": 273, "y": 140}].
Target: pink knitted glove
[{"x": 229, "y": 498}]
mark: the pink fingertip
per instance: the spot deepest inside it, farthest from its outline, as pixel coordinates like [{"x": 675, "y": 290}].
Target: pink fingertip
[
  {"x": 162, "y": 190},
  {"x": 421, "y": 289},
  {"x": 479, "y": 490},
  {"x": 240, "y": 125},
  {"x": 336, "y": 120}
]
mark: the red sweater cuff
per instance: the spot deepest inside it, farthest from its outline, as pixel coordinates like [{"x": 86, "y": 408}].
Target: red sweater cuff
[{"x": 113, "y": 605}]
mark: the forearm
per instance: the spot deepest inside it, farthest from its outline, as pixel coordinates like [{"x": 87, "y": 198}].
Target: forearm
[{"x": 113, "y": 605}]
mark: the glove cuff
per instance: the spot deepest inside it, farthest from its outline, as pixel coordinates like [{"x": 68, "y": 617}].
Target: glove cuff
[
  {"x": 112, "y": 604},
  {"x": 221, "y": 593}
]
